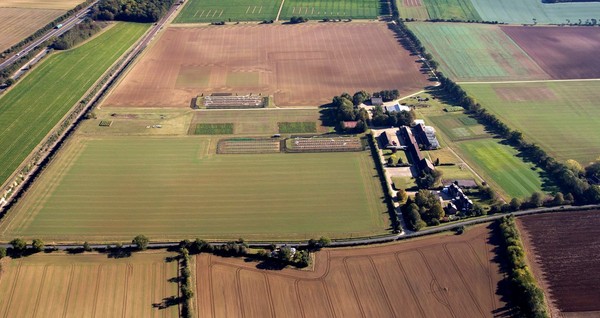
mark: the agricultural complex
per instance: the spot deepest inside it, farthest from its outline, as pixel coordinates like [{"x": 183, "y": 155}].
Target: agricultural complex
[
  {"x": 31, "y": 109},
  {"x": 301, "y": 73},
  {"x": 560, "y": 248},
  {"x": 87, "y": 286},
  {"x": 442, "y": 276}
]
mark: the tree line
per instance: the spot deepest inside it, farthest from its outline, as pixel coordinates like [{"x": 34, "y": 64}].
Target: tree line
[
  {"x": 131, "y": 10},
  {"x": 525, "y": 293},
  {"x": 77, "y": 34}
]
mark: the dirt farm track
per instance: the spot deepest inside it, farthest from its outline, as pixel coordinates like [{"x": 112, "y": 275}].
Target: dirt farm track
[
  {"x": 301, "y": 65},
  {"x": 563, "y": 249},
  {"x": 441, "y": 276}
]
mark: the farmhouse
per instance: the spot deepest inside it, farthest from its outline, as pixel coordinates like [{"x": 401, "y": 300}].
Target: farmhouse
[
  {"x": 389, "y": 139},
  {"x": 396, "y": 108},
  {"x": 422, "y": 163},
  {"x": 426, "y": 137},
  {"x": 460, "y": 201},
  {"x": 376, "y": 101}
]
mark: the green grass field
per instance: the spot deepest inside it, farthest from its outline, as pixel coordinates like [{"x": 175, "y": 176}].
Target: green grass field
[
  {"x": 476, "y": 52},
  {"x": 319, "y": 9},
  {"x": 500, "y": 165},
  {"x": 35, "y": 105},
  {"x": 412, "y": 12},
  {"x": 562, "y": 117},
  {"x": 459, "y": 126},
  {"x": 213, "y": 129},
  {"x": 524, "y": 11},
  {"x": 176, "y": 187},
  {"x": 297, "y": 127},
  {"x": 260, "y": 121},
  {"x": 451, "y": 9},
  {"x": 196, "y": 11}
]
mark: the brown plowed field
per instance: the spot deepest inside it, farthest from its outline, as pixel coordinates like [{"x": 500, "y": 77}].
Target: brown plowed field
[
  {"x": 16, "y": 24},
  {"x": 442, "y": 276},
  {"x": 563, "y": 250},
  {"x": 301, "y": 65},
  {"x": 563, "y": 52}
]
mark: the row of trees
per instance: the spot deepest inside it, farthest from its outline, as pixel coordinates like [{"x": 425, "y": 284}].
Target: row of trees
[
  {"x": 131, "y": 10},
  {"x": 187, "y": 293},
  {"x": 77, "y": 34},
  {"x": 525, "y": 293},
  {"x": 389, "y": 201}
]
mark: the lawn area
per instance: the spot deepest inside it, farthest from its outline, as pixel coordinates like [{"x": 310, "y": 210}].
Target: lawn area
[
  {"x": 524, "y": 11},
  {"x": 213, "y": 129},
  {"x": 196, "y": 11},
  {"x": 298, "y": 127},
  {"x": 90, "y": 285},
  {"x": 412, "y": 9},
  {"x": 35, "y": 105},
  {"x": 562, "y": 117},
  {"x": 459, "y": 126},
  {"x": 262, "y": 121},
  {"x": 476, "y": 52},
  {"x": 177, "y": 187},
  {"x": 319, "y": 9},
  {"x": 451, "y": 9},
  {"x": 499, "y": 165}
]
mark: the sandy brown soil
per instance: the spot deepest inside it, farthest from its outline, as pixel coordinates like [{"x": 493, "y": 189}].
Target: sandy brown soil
[
  {"x": 442, "y": 276},
  {"x": 562, "y": 249},
  {"x": 301, "y": 65},
  {"x": 16, "y": 23},
  {"x": 563, "y": 52}
]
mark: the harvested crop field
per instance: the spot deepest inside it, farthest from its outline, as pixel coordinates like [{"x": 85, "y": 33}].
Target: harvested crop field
[
  {"x": 17, "y": 24},
  {"x": 561, "y": 117},
  {"x": 563, "y": 52},
  {"x": 451, "y": 9},
  {"x": 41, "y": 4},
  {"x": 476, "y": 52},
  {"x": 442, "y": 276},
  {"x": 301, "y": 65},
  {"x": 176, "y": 187},
  {"x": 412, "y": 9},
  {"x": 91, "y": 285},
  {"x": 563, "y": 249}
]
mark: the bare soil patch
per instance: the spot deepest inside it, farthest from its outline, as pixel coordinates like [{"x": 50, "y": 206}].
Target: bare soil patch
[
  {"x": 563, "y": 250},
  {"x": 526, "y": 94},
  {"x": 442, "y": 276},
  {"x": 41, "y": 4},
  {"x": 563, "y": 52},
  {"x": 301, "y": 65}
]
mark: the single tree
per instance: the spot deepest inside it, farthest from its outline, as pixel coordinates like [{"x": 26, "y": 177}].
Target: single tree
[
  {"x": 515, "y": 204},
  {"x": 37, "y": 245},
  {"x": 141, "y": 242},
  {"x": 2, "y": 252},
  {"x": 324, "y": 241},
  {"x": 18, "y": 246},
  {"x": 87, "y": 247}
]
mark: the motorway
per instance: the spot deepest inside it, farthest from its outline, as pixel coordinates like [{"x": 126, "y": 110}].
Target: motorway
[{"x": 67, "y": 25}]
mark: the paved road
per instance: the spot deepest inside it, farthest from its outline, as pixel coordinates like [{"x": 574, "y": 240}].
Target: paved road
[
  {"x": 67, "y": 25},
  {"x": 365, "y": 241}
]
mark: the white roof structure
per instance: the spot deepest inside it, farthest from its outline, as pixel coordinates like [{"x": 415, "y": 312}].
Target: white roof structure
[
  {"x": 396, "y": 108},
  {"x": 419, "y": 121}
]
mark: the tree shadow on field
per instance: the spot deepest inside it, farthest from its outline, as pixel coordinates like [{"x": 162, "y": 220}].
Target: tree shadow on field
[
  {"x": 503, "y": 289},
  {"x": 167, "y": 302}
]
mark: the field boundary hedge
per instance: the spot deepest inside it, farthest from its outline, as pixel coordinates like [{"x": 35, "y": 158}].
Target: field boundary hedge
[
  {"x": 387, "y": 192},
  {"x": 528, "y": 297}
]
